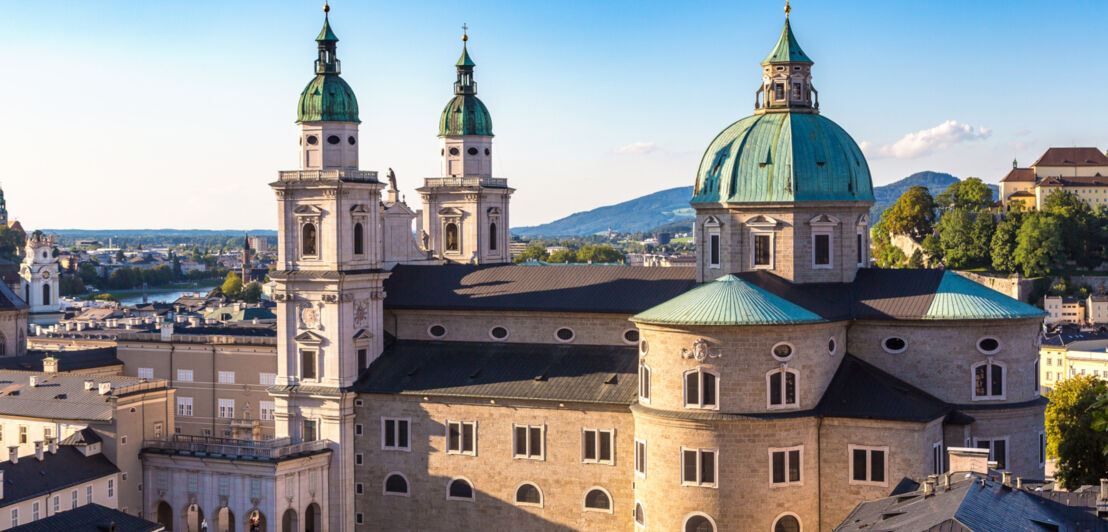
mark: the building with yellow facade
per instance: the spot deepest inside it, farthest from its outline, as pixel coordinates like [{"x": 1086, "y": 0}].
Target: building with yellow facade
[{"x": 1082, "y": 171}]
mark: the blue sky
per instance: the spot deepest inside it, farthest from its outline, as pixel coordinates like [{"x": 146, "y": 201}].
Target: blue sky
[{"x": 178, "y": 114}]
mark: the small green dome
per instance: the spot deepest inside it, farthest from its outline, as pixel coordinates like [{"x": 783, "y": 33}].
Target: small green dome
[
  {"x": 783, "y": 157},
  {"x": 327, "y": 98},
  {"x": 465, "y": 114}
]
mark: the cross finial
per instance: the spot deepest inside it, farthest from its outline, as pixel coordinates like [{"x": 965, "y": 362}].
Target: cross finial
[
  {"x": 787, "y": 8},
  {"x": 465, "y": 32},
  {"x": 326, "y": 7}
]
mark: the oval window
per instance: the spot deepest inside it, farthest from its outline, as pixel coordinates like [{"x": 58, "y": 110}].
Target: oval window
[
  {"x": 472, "y": 151},
  {"x": 351, "y": 140},
  {"x": 313, "y": 140},
  {"x": 436, "y": 331},
  {"x": 564, "y": 334},
  {"x": 498, "y": 333},
  {"x": 453, "y": 151},
  {"x": 631, "y": 336},
  {"x": 782, "y": 351},
  {"x": 894, "y": 344},
  {"x": 988, "y": 345},
  {"x": 487, "y": 151},
  {"x": 333, "y": 139},
  {"x": 643, "y": 347},
  {"x": 831, "y": 346}
]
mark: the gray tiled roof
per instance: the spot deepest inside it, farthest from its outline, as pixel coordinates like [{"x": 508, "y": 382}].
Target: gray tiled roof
[
  {"x": 62, "y": 396},
  {"x": 67, "y": 360},
  {"x": 30, "y": 477},
  {"x": 90, "y": 518}
]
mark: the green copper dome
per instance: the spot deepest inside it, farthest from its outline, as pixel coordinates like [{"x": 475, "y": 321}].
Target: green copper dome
[
  {"x": 783, "y": 157},
  {"x": 465, "y": 114},
  {"x": 327, "y": 98},
  {"x": 787, "y": 49},
  {"x": 727, "y": 301}
]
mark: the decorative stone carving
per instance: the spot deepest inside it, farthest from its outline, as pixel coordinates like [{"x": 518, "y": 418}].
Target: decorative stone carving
[
  {"x": 361, "y": 312},
  {"x": 700, "y": 351},
  {"x": 330, "y": 298},
  {"x": 309, "y": 317}
]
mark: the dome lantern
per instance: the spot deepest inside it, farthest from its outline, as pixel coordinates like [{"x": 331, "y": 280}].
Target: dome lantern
[{"x": 327, "y": 98}]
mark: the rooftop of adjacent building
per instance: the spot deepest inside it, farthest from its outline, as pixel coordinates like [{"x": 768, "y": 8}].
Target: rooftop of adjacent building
[
  {"x": 67, "y": 396},
  {"x": 90, "y": 518},
  {"x": 67, "y": 360},
  {"x": 31, "y": 477},
  {"x": 1054, "y": 157},
  {"x": 207, "y": 447}
]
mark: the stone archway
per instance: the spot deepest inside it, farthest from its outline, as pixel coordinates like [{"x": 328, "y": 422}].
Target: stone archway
[
  {"x": 255, "y": 521},
  {"x": 289, "y": 522},
  {"x": 194, "y": 518},
  {"x": 165, "y": 515},
  {"x": 225, "y": 520},
  {"x": 313, "y": 518}
]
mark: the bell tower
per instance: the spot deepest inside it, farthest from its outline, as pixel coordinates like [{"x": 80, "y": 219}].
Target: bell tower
[
  {"x": 328, "y": 278},
  {"x": 786, "y": 77},
  {"x": 40, "y": 273}
]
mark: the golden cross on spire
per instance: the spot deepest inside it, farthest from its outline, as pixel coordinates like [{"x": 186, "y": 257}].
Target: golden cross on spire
[
  {"x": 465, "y": 32},
  {"x": 787, "y": 8}
]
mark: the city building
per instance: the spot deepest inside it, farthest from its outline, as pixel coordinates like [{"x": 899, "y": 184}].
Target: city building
[
  {"x": 40, "y": 273},
  {"x": 1064, "y": 309},
  {"x": 1082, "y": 171}
]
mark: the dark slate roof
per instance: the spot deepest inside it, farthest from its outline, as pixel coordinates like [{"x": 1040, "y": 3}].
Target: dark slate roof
[
  {"x": 229, "y": 330},
  {"x": 68, "y": 467},
  {"x": 90, "y": 518},
  {"x": 1065, "y": 336},
  {"x": 970, "y": 506},
  {"x": 862, "y": 391},
  {"x": 85, "y": 436},
  {"x": 577, "y": 373},
  {"x": 894, "y": 294},
  {"x": 67, "y": 360},
  {"x": 9, "y": 300},
  {"x": 569, "y": 288}
]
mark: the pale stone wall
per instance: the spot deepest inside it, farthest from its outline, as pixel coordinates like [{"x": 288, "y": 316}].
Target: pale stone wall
[
  {"x": 1014, "y": 286},
  {"x": 1021, "y": 427},
  {"x": 13, "y": 332},
  {"x": 523, "y": 327},
  {"x": 494, "y": 474}
]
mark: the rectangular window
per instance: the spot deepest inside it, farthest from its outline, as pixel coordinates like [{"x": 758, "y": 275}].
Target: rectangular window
[
  {"x": 255, "y": 488},
  {"x": 309, "y": 430},
  {"x": 35, "y": 515},
  {"x": 15, "y": 517},
  {"x": 307, "y": 364},
  {"x": 159, "y": 430},
  {"x": 461, "y": 437},
  {"x": 644, "y": 383},
  {"x": 363, "y": 358},
  {"x": 778, "y": 91},
  {"x": 937, "y": 458},
  {"x": 227, "y": 408},
  {"x": 184, "y": 406},
  {"x": 640, "y": 458},
  {"x": 762, "y": 251},
  {"x": 358, "y": 429},
  {"x": 226, "y": 377},
  {"x": 698, "y": 467},
  {"x": 358, "y": 518},
  {"x": 111, "y": 488},
  {"x": 146, "y": 373},
  {"x": 988, "y": 381},
  {"x": 395, "y": 434},
  {"x": 1042, "y": 448},
  {"x": 785, "y": 466},
  {"x": 359, "y": 488},
  {"x": 267, "y": 379},
  {"x": 528, "y": 442},
  {"x": 868, "y": 465},
  {"x": 713, "y": 245},
  {"x": 821, "y": 250},
  {"x": 72, "y": 499},
  {"x": 358, "y": 457},
  {"x": 998, "y": 450},
  {"x": 861, "y": 249},
  {"x": 88, "y": 494},
  {"x": 596, "y": 446},
  {"x": 184, "y": 375},
  {"x": 57, "y": 504},
  {"x": 22, "y": 434},
  {"x": 266, "y": 408}
]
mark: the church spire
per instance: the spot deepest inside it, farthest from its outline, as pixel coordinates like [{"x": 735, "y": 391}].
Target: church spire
[
  {"x": 328, "y": 62},
  {"x": 465, "y": 84},
  {"x": 787, "y": 76}
]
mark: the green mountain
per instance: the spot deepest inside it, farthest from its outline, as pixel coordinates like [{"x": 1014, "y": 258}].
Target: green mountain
[{"x": 936, "y": 183}]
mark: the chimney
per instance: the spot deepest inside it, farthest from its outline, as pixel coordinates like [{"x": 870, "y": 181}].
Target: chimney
[
  {"x": 36, "y": 380},
  {"x": 968, "y": 459},
  {"x": 52, "y": 445},
  {"x": 1102, "y": 499},
  {"x": 1019, "y": 483},
  {"x": 38, "y": 450},
  {"x": 928, "y": 487},
  {"x": 946, "y": 481},
  {"x": 105, "y": 388},
  {"x": 1006, "y": 478},
  {"x": 89, "y": 385},
  {"x": 167, "y": 332},
  {"x": 50, "y": 364},
  {"x": 13, "y": 454}
]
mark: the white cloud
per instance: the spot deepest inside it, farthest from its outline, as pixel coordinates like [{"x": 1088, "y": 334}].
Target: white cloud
[
  {"x": 927, "y": 141},
  {"x": 638, "y": 148}
]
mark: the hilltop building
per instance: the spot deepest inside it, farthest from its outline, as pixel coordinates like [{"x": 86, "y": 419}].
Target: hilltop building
[{"x": 1082, "y": 171}]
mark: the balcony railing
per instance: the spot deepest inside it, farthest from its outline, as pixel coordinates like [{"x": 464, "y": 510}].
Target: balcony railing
[
  {"x": 360, "y": 176},
  {"x": 274, "y": 449},
  {"x": 492, "y": 182}
]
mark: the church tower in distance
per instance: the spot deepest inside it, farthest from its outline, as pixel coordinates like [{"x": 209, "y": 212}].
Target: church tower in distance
[{"x": 328, "y": 277}]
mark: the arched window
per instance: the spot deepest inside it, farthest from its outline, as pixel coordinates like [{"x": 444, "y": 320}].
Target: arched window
[
  {"x": 492, "y": 237},
  {"x": 460, "y": 489},
  {"x": 396, "y": 484},
  {"x": 699, "y": 523},
  {"x": 640, "y": 514},
  {"x": 701, "y": 389},
  {"x": 787, "y": 523},
  {"x": 452, "y": 236},
  {"x": 46, "y": 294},
  {"x": 781, "y": 388},
  {"x": 644, "y": 383},
  {"x": 308, "y": 236},
  {"x": 988, "y": 380},
  {"x": 359, "y": 239},
  {"x": 597, "y": 499},
  {"x": 528, "y": 494}
]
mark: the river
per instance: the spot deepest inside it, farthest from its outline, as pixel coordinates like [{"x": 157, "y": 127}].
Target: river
[{"x": 161, "y": 295}]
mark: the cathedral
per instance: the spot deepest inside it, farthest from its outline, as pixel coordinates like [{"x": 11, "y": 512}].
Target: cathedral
[{"x": 426, "y": 383}]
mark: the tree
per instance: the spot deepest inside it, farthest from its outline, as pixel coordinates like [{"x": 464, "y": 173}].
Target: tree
[
  {"x": 913, "y": 213},
  {"x": 70, "y": 285},
  {"x": 1003, "y": 244},
  {"x": 598, "y": 254},
  {"x": 1038, "y": 245},
  {"x": 563, "y": 256},
  {"x": 1071, "y": 435},
  {"x": 916, "y": 260},
  {"x": 232, "y": 285},
  {"x": 11, "y": 242},
  {"x": 932, "y": 249},
  {"x": 955, "y": 231},
  {"x": 119, "y": 255},
  {"x": 984, "y": 226},
  {"x": 1074, "y": 219},
  {"x": 970, "y": 194},
  {"x": 533, "y": 252},
  {"x": 252, "y": 292},
  {"x": 890, "y": 257}
]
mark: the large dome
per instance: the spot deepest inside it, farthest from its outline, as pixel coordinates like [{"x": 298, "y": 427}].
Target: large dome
[
  {"x": 327, "y": 98},
  {"x": 465, "y": 114},
  {"x": 783, "y": 157}
]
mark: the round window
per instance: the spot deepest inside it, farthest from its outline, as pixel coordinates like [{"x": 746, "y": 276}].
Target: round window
[
  {"x": 831, "y": 346},
  {"x": 333, "y": 139},
  {"x": 782, "y": 351},
  {"x": 498, "y": 333},
  {"x": 313, "y": 140},
  {"x": 472, "y": 151},
  {"x": 351, "y": 140},
  {"x": 564, "y": 334},
  {"x": 453, "y": 151},
  {"x": 631, "y": 336},
  {"x": 436, "y": 331},
  {"x": 894, "y": 344},
  {"x": 643, "y": 347},
  {"x": 988, "y": 345},
  {"x": 487, "y": 151}
]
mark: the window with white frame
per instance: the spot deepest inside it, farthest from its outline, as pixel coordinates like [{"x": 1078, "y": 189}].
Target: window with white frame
[
  {"x": 459, "y": 489},
  {"x": 528, "y": 441},
  {"x": 461, "y": 437},
  {"x": 396, "y": 484},
  {"x": 598, "y": 500},
  {"x": 785, "y": 466},
  {"x": 226, "y": 377},
  {"x": 57, "y": 504},
  {"x": 184, "y": 375},
  {"x": 640, "y": 514},
  {"x": 73, "y": 499},
  {"x": 15, "y": 517},
  {"x": 267, "y": 379},
  {"x": 88, "y": 494},
  {"x": 596, "y": 446},
  {"x": 711, "y": 231},
  {"x": 35, "y": 513},
  {"x": 308, "y": 364},
  {"x": 146, "y": 373},
  {"x": 761, "y": 250},
  {"x": 868, "y": 465},
  {"x": 937, "y": 458},
  {"x": 640, "y": 458},
  {"x": 266, "y": 408},
  {"x": 184, "y": 406},
  {"x": 227, "y": 408},
  {"x": 701, "y": 389},
  {"x": 358, "y": 431},
  {"x": 998, "y": 449},
  {"x": 528, "y": 494},
  {"x": 111, "y": 488},
  {"x": 395, "y": 434},
  {"x": 781, "y": 388},
  {"x": 988, "y": 380},
  {"x": 698, "y": 467},
  {"x": 644, "y": 383},
  {"x": 822, "y": 249}
]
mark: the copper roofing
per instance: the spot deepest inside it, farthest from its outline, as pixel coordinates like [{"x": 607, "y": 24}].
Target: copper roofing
[
  {"x": 1019, "y": 175},
  {"x": 728, "y": 300},
  {"x": 1072, "y": 157}
]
